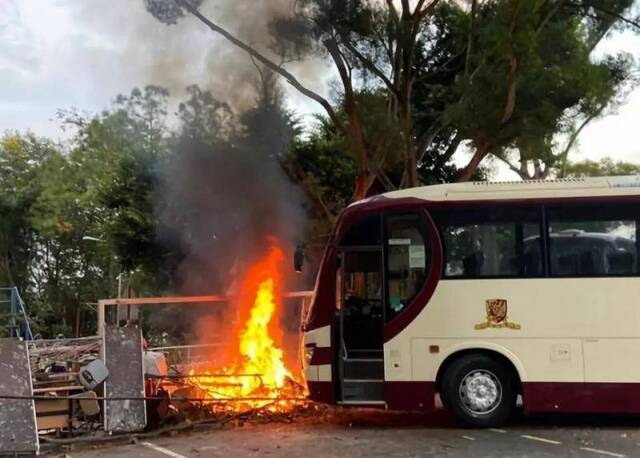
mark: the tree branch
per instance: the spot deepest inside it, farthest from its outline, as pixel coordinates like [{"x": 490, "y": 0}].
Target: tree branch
[
  {"x": 553, "y": 10},
  {"x": 334, "y": 52},
  {"x": 405, "y": 8},
  {"x": 370, "y": 66},
  {"x": 606, "y": 11},
  {"x": 393, "y": 10},
  {"x": 510, "y": 103},
  {"x": 512, "y": 167},
  {"x": 470, "y": 37},
  {"x": 420, "y": 14},
  {"x": 453, "y": 147},
  {"x": 565, "y": 152},
  {"x": 267, "y": 63}
]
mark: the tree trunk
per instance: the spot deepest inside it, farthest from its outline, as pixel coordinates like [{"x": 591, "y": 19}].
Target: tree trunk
[
  {"x": 474, "y": 163},
  {"x": 354, "y": 126},
  {"x": 410, "y": 163},
  {"x": 362, "y": 161}
]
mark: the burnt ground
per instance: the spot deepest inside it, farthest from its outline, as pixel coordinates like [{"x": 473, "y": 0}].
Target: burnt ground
[{"x": 365, "y": 433}]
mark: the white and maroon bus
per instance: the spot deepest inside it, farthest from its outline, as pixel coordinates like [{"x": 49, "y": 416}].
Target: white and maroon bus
[{"x": 481, "y": 292}]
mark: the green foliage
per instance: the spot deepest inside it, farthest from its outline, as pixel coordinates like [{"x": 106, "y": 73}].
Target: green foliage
[
  {"x": 530, "y": 75},
  {"x": 21, "y": 157},
  {"x": 603, "y": 167},
  {"x": 78, "y": 216},
  {"x": 325, "y": 169}
]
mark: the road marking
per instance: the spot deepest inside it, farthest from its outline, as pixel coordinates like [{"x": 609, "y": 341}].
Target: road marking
[
  {"x": 502, "y": 431},
  {"x": 540, "y": 439},
  {"x": 469, "y": 438},
  {"x": 602, "y": 452},
  {"x": 166, "y": 451}
]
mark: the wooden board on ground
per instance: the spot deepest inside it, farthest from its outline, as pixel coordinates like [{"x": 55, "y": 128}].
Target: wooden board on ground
[
  {"x": 18, "y": 433},
  {"x": 123, "y": 357},
  {"x": 52, "y": 413}
]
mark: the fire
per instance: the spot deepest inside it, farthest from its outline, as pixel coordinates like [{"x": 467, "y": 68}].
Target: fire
[{"x": 256, "y": 373}]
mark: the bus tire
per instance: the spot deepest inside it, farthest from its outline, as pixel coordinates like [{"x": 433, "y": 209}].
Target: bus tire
[{"x": 478, "y": 391}]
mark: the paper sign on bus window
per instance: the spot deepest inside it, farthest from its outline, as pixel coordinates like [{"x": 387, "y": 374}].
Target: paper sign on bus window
[
  {"x": 416, "y": 257},
  {"x": 399, "y": 241}
]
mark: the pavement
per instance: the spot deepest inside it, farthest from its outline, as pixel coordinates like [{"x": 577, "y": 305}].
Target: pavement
[{"x": 381, "y": 434}]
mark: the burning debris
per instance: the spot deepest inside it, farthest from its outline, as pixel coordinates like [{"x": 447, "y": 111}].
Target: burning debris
[
  {"x": 77, "y": 385},
  {"x": 256, "y": 365}
]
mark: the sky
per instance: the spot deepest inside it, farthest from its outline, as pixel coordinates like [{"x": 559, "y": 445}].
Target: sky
[{"x": 59, "y": 54}]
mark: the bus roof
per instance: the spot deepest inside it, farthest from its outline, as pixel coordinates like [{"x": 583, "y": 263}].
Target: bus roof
[{"x": 531, "y": 189}]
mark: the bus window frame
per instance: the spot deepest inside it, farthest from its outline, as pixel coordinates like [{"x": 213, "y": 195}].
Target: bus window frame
[
  {"x": 423, "y": 230},
  {"x": 433, "y": 275},
  {"x": 585, "y": 205},
  {"x": 540, "y": 220}
]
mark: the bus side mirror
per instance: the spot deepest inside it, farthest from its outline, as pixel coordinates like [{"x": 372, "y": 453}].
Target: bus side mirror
[{"x": 298, "y": 258}]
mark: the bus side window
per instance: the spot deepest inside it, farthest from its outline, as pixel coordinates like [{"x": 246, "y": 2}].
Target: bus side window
[
  {"x": 588, "y": 240},
  {"x": 407, "y": 262},
  {"x": 490, "y": 242}
]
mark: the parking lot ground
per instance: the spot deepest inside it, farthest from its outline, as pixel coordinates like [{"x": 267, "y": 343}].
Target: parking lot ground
[{"x": 381, "y": 434}]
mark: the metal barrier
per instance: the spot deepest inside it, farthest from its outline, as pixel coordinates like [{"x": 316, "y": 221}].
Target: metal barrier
[{"x": 17, "y": 317}]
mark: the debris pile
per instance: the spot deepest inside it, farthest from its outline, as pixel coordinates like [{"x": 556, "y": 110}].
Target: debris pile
[{"x": 101, "y": 386}]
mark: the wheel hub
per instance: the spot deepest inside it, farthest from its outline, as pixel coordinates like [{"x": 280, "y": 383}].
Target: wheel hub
[{"x": 480, "y": 392}]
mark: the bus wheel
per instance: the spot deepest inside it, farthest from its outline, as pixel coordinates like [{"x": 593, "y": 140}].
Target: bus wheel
[{"x": 479, "y": 391}]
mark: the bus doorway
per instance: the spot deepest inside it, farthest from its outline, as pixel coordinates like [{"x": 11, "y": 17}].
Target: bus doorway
[{"x": 360, "y": 315}]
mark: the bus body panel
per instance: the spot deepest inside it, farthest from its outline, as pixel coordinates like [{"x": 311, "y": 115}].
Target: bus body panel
[
  {"x": 569, "y": 330},
  {"x": 318, "y": 364},
  {"x": 573, "y": 341}
]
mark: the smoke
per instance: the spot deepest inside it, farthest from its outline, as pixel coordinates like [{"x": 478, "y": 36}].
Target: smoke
[
  {"x": 216, "y": 196},
  {"x": 226, "y": 198},
  {"x": 224, "y": 190},
  {"x": 187, "y": 52}
]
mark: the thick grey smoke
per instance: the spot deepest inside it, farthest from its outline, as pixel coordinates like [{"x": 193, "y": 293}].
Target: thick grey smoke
[
  {"x": 187, "y": 52},
  {"x": 224, "y": 190},
  {"x": 217, "y": 197}
]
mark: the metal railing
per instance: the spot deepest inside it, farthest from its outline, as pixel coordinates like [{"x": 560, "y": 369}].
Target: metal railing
[{"x": 18, "y": 320}]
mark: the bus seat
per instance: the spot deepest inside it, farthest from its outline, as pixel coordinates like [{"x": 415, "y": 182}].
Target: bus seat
[
  {"x": 531, "y": 263},
  {"x": 620, "y": 263},
  {"x": 472, "y": 264},
  {"x": 567, "y": 264},
  {"x": 587, "y": 264}
]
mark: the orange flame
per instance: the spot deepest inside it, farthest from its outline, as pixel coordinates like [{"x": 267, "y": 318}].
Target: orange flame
[{"x": 257, "y": 368}]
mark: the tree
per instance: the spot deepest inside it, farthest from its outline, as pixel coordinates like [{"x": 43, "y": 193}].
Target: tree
[
  {"x": 378, "y": 40},
  {"x": 118, "y": 151},
  {"x": 21, "y": 157},
  {"x": 604, "y": 167},
  {"x": 76, "y": 215},
  {"x": 530, "y": 75}
]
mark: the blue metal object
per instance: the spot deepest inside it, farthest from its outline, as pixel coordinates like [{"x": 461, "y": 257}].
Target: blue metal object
[{"x": 18, "y": 309}]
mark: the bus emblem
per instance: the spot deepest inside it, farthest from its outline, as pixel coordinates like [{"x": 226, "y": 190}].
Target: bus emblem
[{"x": 497, "y": 315}]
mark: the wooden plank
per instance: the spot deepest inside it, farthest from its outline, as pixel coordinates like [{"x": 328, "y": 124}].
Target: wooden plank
[
  {"x": 54, "y": 389},
  {"x": 18, "y": 431},
  {"x": 53, "y": 422},
  {"x": 123, "y": 357},
  {"x": 44, "y": 406}
]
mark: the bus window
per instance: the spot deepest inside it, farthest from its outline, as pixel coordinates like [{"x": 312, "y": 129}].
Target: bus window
[
  {"x": 407, "y": 262},
  {"x": 592, "y": 241},
  {"x": 359, "y": 279},
  {"x": 361, "y": 299},
  {"x": 490, "y": 242},
  {"x": 366, "y": 232}
]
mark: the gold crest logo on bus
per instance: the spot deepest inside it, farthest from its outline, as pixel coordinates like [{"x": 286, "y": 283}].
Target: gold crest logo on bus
[{"x": 497, "y": 315}]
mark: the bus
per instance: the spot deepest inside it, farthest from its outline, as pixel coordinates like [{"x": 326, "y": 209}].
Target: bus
[{"x": 484, "y": 294}]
